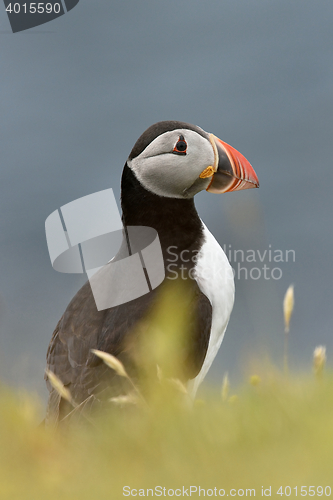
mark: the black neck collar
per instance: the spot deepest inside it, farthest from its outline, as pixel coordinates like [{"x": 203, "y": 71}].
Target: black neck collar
[{"x": 176, "y": 220}]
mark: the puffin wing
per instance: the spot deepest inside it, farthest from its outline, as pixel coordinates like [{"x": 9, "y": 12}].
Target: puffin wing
[{"x": 83, "y": 328}]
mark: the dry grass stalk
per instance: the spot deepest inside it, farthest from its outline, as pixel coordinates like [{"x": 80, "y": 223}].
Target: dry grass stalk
[
  {"x": 288, "y": 307},
  {"x": 116, "y": 365},
  {"x": 79, "y": 411},
  {"x": 59, "y": 387},
  {"x": 111, "y": 362},
  {"x": 177, "y": 384},
  {"x": 319, "y": 360},
  {"x": 125, "y": 399}
]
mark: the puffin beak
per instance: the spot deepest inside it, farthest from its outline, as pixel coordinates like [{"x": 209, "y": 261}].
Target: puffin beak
[{"x": 231, "y": 170}]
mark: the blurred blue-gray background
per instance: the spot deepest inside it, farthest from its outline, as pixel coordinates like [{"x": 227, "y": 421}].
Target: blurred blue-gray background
[{"x": 77, "y": 92}]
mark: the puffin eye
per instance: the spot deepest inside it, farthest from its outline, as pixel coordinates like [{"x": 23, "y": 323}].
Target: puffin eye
[{"x": 181, "y": 146}]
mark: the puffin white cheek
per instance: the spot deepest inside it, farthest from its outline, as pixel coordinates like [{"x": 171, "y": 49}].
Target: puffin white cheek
[
  {"x": 168, "y": 175},
  {"x": 176, "y": 176}
]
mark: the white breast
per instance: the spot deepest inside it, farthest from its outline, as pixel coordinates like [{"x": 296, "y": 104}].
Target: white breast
[{"x": 215, "y": 279}]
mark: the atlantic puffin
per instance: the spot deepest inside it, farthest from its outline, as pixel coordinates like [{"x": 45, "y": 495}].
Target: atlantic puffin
[{"x": 169, "y": 164}]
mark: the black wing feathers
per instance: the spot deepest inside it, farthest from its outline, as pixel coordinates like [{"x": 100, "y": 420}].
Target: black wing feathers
[{"x": 83, "y": 328}]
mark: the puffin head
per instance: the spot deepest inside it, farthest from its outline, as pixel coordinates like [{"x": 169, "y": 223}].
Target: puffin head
[{"x": 177, "y": 160}]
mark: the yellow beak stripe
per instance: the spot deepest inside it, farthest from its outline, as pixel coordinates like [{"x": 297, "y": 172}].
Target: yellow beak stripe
[{"x": 208, "y": 172}]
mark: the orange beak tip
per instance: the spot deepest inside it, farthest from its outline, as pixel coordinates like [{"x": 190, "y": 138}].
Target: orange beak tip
[{"x": 234, "y": 172}]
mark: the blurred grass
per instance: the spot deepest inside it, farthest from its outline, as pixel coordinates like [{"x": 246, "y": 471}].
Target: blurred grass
[{"x": 275, "y": 432}]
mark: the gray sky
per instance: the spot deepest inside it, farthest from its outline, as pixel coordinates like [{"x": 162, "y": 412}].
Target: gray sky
[{"x": 76, "y": 93}]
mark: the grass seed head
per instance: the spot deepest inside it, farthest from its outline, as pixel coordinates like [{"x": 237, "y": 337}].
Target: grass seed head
[
  {"x": 111, "y": 362},
  {"x": 319, "y": 360},
  {"x": 288, "y": 307},
  {"x": 128, "y": 399},
  {"x": 59, "y": 386}
]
